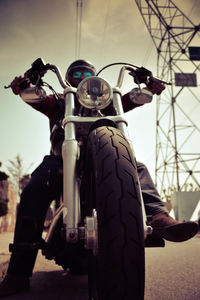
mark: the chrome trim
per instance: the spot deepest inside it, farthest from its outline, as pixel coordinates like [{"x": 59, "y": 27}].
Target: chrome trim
[
  {"x": 70, "y": 154},
  {"x": 149, "y": 230},
  {"x": 91, "y": 233},
  {"x": 77, "y": 119}
]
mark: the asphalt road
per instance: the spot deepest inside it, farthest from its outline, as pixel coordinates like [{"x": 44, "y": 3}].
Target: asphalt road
[{"x": 172, "y": 273}]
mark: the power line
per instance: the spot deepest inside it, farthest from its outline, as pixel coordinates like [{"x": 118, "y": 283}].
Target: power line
[
  {"x": 79, "y": 6},
  {"x": 191, "y": 10},
  {"x": 106, "y": 22}
]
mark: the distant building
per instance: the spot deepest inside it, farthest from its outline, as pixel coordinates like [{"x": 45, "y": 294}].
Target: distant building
[{"x": 7, "y": 222}]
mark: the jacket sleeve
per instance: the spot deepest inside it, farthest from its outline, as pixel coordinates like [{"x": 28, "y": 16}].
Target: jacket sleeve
[{"x": 40, "y": 101}]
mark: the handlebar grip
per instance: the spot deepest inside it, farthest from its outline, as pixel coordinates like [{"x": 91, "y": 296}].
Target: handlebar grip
[{"x": 24, "y": 84}]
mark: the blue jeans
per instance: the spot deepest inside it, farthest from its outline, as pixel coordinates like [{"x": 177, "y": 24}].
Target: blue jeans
[
  {"x": 152, "y": 200},
  {"x": 35, "y": 201}
]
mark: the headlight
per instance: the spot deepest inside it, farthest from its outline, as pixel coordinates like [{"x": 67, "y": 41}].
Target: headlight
[{"x": 94, "y": 92}]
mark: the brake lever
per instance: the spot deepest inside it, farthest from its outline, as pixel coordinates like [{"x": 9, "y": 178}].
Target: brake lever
[
  {"x": 143, "y": 75},
  {"x": 7, "y": 86},
  {"x": 159, "y": 80}
]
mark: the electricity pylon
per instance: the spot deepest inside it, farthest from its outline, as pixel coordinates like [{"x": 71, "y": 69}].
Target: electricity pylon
[{"x": 178, "y": 109}]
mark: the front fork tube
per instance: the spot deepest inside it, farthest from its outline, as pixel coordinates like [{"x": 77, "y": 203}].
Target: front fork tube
[
  {"x": 117, "y": 103},
  {"x": 70, "y": 154}
]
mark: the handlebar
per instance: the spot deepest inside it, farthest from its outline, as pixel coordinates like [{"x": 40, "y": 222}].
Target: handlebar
[
  {"x": 37, "y": 71},
  {"x": 39, "y": 68},
  {"x": 56, "y": 70}
]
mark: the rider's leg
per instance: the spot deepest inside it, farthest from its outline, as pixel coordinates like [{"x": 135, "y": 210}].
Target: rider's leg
[
  {"x": 152, "y": 200},
  {"x": 32, "y": 209},
  {"x": 164, "y": 226},
  {"x": 35, "y": 200}
]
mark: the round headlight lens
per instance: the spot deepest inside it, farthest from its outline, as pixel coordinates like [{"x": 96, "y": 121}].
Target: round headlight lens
[{"x": 94, "y": 93}]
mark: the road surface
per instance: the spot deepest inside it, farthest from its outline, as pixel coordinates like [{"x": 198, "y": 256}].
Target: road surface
[{"x": 172, "y": 273}]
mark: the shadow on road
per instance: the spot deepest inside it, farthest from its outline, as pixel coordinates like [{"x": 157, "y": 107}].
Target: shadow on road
[{"x": 55, "y": 285}]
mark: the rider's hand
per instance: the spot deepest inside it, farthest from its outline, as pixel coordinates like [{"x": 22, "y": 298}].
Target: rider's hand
[
  {"x": 156, "y": 87},
  {"x": 19, "y": 84}
]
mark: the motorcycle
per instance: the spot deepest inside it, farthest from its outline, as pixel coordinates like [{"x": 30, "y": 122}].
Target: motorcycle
[{"x": 99, "y": 226}]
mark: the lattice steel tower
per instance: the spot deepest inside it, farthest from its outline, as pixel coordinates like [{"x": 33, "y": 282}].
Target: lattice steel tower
[{"x": 178, "y": 109}]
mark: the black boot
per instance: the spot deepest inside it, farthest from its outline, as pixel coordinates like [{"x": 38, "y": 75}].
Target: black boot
[{"x": 13, "y": 284}]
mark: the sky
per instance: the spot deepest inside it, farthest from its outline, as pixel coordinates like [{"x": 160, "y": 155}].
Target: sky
[{"x": 112, "y": 31}]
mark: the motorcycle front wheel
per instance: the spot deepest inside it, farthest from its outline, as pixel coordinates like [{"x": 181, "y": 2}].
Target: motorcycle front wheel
[{"x": 112, "y": 189}]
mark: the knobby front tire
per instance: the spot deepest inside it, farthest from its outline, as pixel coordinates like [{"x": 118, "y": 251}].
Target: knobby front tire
[{"x": 111, "y": 184}]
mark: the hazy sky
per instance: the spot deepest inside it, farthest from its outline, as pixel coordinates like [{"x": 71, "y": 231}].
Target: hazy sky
[{"x": 112, "y": 31}]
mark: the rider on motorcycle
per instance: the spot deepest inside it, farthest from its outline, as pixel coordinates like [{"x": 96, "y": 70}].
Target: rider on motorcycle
[{"x": 38, "y": 194}]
